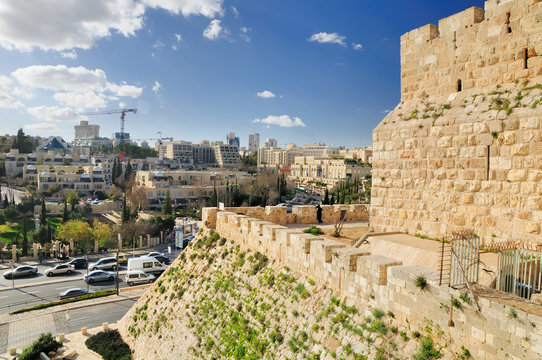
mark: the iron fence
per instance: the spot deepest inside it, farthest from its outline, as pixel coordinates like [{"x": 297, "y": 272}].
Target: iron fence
[{"x": 520, "y": 272}]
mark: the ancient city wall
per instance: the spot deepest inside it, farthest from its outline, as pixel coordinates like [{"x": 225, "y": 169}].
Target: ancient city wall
[
  {"x": 449, "y": 158},
  {"x": 383, "y": 282},
  {"x": 302, "y": 214}
]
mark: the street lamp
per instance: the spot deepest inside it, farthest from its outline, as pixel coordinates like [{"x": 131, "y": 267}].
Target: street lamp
[{"x": 117, "y": 268}]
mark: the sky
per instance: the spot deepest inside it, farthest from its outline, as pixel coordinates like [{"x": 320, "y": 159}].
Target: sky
[{"x": 299, "y": 71}]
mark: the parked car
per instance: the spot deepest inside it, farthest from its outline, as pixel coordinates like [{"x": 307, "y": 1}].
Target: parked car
[
  {"x": 163, "y": 259},
  {"x": 153, "y": 254},
  {"x": 138, "y": 277},
  {"x": 79, "y": 263},
  {"x": 24, "y": 270},
  {"x": 104, "y": 263},
  {"x": 123, "y": 260},
  {"x": 60, "y": 269},
  {"x": 73, "y": 292},
  {"x": 99, "y": 275}
]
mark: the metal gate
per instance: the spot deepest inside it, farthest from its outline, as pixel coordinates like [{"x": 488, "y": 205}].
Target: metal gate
[
  {"x": 520, "y": 272},
  {"x": 465, "y": 258}
]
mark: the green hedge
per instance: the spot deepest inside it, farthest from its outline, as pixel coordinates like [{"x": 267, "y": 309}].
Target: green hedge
[
  {"x": 109, "y": 345},
  {"x": 97, "y": 294},
  {"x": 45, "y": 343}
]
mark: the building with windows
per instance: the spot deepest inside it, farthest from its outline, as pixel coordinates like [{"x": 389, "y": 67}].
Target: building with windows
[
  {"x": 86, "y": 130},
  {"x": 226, "y": 155},
  {"x": 15, "y": 162},
  {"x": 326, "y": 170},
  {"x": 253, "y": 142},
  {"x": 233, "y": 140},
  {"x": 85, "y": 180},
  {"x": 270, "y": 143}
]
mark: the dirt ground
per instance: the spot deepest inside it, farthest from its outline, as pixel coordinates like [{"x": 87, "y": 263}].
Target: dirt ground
[{"x": 349, "y": 236}]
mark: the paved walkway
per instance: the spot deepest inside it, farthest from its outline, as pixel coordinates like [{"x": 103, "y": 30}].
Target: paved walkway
[{"x": 20, "y": 330}]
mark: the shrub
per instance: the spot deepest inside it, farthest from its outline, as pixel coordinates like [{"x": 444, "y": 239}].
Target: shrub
[
  {"x": 45, "y": 343},
  {"x": 109, "y": 345},
  {"x": 513, "y": 313},
  {"x": 427, "y": 350},
  {"x": 421, "y": 282},
  {"x": 313, "y": 230},
  {"x": 456, "y": 304},
  {"x": 378, "y": 314}
]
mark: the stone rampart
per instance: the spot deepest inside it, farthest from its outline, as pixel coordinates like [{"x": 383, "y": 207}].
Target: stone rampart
[
  {"x": 449, "y": 158},
  {"x": 473, "y": 49},
  {"x": 490, "y": 333},
  {"x": 302, "y": 214}
]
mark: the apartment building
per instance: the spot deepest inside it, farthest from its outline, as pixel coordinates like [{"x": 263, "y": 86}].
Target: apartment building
[
  {"x": 226, "y": 155},
  {"x": 326, "y": 170},
  {"x": 86, "y": 130},
  {"x": 83, "y": 179},
  {"x": 253, "y": 142},
  {"x": 284, "y": 158},
  {"x": 184, "y": 186},
  {"x": 15, "y": 162}
]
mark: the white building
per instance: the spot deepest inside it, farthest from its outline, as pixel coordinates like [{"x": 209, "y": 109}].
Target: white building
[
  {"x": 253, "y": 142},
  {"x": 84, "y": 130},
  {"x": 270, "y": 143}
]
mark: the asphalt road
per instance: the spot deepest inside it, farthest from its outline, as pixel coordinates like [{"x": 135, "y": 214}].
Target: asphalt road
[
  {"x": 19, "y": 298},
  {"x": 93, "y": 316}
]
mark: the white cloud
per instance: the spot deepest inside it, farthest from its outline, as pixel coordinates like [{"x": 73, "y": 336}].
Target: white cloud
[
  {"x": 326, "y": 38},
  {"x": 69, "y": 54},
  {"x": 235, "y": 11},
  {"x": 71, "y": 79},
  {"x": 42, "y": 127},
  {"x": 156, "y": 87},
  {"x": 178, "y": 37},
  {"x": 22, "y": 92},
  {"x": 266, "y": 94},
  {"x": 385, "y": 111},
  {"x": 6, "y": 100},
  {"x": 81, "y": 100},
  {"x": 282, "y": 121},
  {"x": 244, "y": 33},
  {"x": 53, "y": 113},
  {"x": 213, "y": 30},
  {"x": 208, "y": 8},
  {"x": 158, "y": 45},
  {"x": 357, "y": 46},
  {"x": 63, "y": 25}
]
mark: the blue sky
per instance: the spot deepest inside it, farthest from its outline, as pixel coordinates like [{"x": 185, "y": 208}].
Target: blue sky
[{"x": 296, "y": 70}]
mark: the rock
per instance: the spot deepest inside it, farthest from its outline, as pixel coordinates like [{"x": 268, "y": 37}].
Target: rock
[
  {"x": 61, "y": 350},
  {"x": 51, "y": 354},
  {"x": 537, "y": 298},
  {"x": 71, "y": 355}
]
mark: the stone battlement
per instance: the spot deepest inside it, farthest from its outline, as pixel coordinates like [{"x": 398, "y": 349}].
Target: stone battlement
[
  {"x": 473, "y": 49},
  {"x": 302, "y": 214},
  {"x": 384, "y": 282}
]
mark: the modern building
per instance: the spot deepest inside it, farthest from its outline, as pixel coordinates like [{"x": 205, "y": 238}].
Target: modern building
[
  {"x": 85, "y": 180},
  {"x": 86, "y": 130},
  {"x": 283, "y": 158},
  {"x": 270, "y": 143},
  {"x": 56, "y": 144},
  {"x": 226, "y": 155},
  {"x": 15, "y": 162},
  {"x": 326, "y": 170},
  {"x": 186, "y": 187},
  {"x": 178, "y": 150},
  {"x": 233, "y": 140},
  {"x": 253, "y": 142}
]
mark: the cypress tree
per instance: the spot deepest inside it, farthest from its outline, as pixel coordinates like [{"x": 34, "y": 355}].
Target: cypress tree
[
  {"x": 214, "y": 196},
  {"x": 326, "y": 198},
  {"x": 65, "y": 213},
  {"x": 43, "y": 212},
  {"x": 167, "y": 209},
  {"x": 25, "y": 239}
]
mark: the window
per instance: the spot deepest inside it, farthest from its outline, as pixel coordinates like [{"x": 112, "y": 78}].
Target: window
[
  {"x": 147, "y": 265},
  {"x": 459, "y": 85}
]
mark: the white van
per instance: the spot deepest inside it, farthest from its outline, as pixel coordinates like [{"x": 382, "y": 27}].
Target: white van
[
  {"x": 146, "y": 264},
  {"x": 138, "y": 277}
]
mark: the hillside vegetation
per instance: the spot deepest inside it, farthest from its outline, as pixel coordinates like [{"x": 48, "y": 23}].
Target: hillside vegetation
[{"x": 217, "y": 301}]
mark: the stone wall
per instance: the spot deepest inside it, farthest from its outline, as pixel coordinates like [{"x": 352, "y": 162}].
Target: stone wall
[
  {"x": 479, "y": 48},
  {"x": 302, "y": 214},
  {"x": 489, "y": 333},
  {"x": 446, "y": 160}
]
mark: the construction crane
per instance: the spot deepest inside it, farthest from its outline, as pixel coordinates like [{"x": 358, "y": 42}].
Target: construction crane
[
  {"x": 122, "y": 116},
  {"x": 159, "y": 139}
]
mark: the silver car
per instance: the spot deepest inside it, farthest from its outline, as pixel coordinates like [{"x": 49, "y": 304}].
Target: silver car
[
  {"x": 99, "y": 275},
  {"x": 60, "y": 269},
  {"x": 24, "y": 270}
]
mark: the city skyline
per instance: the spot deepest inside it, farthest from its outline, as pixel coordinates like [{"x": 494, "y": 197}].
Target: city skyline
[{"x": 298, "y": 72}]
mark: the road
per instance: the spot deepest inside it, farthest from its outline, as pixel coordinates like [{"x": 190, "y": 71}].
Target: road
[{"x": 18, "y": 298}]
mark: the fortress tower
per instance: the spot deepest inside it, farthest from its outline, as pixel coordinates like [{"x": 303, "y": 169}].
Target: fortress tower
[{"x": 463, "y": 149}]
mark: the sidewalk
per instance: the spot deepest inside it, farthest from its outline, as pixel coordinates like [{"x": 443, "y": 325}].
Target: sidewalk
[{"x": 20, "y": 330}]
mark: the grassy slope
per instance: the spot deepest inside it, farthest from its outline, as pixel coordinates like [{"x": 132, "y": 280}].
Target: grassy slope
[{"x": 219, "y": 302}]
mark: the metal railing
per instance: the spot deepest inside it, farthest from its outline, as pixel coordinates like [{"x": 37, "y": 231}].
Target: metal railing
[
  {"x": 520, "y": 272},
  {"x": 465, "y": 259}
]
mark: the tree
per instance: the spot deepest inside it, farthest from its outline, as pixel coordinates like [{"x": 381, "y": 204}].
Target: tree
[
  {"x": 23, "y": 143},
  {"x": 214, "y": 196},
  {"x": 41, "y": 235},
  {"x": 167, "y": 208},
  {"x": 102, "y": 233},
  {"x": 78, "y": 231},
  {"x": 65, "y": 213},
  {"x": 43, "y": 216},
  {"x": 25, "y": 239},
  {"x": 2, "y": 168},
  {"x": 125, "y": 214},
  {"x": 128, "y": 171},
  {"x": 326, "y": 198},
  {"x": 73, "y": 199}
]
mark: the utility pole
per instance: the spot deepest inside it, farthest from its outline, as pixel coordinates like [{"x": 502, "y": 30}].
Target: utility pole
[{"x": 117, "y": 268}]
